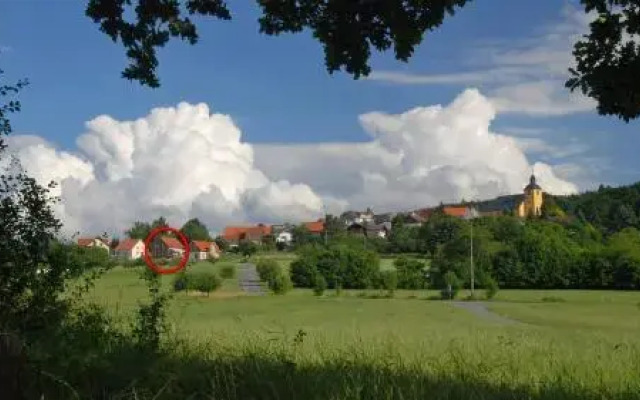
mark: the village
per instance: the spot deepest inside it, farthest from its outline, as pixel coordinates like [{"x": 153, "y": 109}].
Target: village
[{"x": 360, "y": 223}]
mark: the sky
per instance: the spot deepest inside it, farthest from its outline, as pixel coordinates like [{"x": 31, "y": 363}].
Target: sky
[{"x": 251, "y": 128}]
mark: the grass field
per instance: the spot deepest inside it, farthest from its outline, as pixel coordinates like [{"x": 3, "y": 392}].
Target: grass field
[{"x": 568, "y": 344}]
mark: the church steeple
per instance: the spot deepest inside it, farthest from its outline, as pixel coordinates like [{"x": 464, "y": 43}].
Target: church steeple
[{"x": 532, "y": 184}]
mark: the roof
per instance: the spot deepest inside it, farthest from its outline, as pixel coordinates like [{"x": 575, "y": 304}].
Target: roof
[
  {"x": 171, "y": 243},
  {"x": 532, "y": 184},
  {"x": 127, "y": 244},
  {"x": 203, "y": 245},
  {"x": 455, "y": 211},
  {"x": 315, "y": 227},
  {"x": 246, "y": 232},
  {"x": 85, "y": 241}
]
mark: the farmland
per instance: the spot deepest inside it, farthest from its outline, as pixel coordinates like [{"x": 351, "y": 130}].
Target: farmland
[{"x": 564, "y": 344}]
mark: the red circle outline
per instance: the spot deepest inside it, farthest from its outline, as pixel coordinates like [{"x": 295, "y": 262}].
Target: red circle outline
[{"x": 183, "y": 261}]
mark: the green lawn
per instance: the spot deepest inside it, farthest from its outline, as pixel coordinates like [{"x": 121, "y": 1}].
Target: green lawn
[{"x": 585, "y": 347}]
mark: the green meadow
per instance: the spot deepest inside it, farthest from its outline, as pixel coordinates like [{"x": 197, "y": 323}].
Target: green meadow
[{"x": 361, "y": 345}]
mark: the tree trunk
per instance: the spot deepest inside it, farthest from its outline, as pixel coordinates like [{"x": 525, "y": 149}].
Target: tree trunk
[{"x": 12, "y": 365}]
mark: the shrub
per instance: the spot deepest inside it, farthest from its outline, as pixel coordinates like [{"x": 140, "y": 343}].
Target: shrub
[
  {"x": 389, "y": 281},
  {"x": 228, "y": 271},
  {"x": 320, "y": 285},
  {"x": 204, "y": 282},
  {"x": 452, "y": 285},
  {"x": 180, "y": 282},
  {"x": 280, "y": 283},
  {"x": 491, "y": 288},
  {"x": 411, "y": 274},
  {"x": 268, "y": 269}
]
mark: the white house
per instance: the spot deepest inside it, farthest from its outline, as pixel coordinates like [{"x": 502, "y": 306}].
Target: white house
[
  {"x": 129, "y": 249},
  {"x": 284, "y": 237},
  {"x": 204, "y": 250},
  {"x": 93, "y": 242}
]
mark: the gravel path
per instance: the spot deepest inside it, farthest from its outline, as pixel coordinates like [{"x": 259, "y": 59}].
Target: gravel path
[
  {"x": 249, "y": 280},
  {"x": 480, "y": 310}
]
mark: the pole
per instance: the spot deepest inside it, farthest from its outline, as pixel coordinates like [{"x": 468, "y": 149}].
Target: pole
[
  {"x": 325, "y": 224},
  {"x": 471, "y": 259}
]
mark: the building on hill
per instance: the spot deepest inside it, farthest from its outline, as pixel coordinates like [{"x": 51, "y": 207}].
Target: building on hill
[
  {"x": 370, "y": 230},
  {"x": 254, "y": 233},
  {"x": 532, "y": 200},
  {"x": 94, "y": 242},
  {"x": 357, "y": 217},
  {"x": 315, "y": 227},
  {"x": 204, "y": 250},
  {"x": 129, "y": 249},
  {"x": 166, "y": 247}
]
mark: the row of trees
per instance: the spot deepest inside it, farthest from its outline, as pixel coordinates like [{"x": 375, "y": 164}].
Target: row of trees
[{"x": 534, "y": 253}]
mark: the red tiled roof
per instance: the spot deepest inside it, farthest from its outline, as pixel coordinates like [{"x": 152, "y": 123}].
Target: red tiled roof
[
  {"x": 127, "y": 244},
  {"x": 455, "y": 211},
  {"x": 201, "y": 245},
  {"x": 249, "y": 232},
  {"x": 85, "y": 242},
  {"x": 315, "y": 227},
  {"x": 172, "y": 243}
]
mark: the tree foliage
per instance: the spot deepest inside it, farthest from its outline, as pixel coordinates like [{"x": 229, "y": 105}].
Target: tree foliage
[
  {"x": 607, "y": 62},
  {"x": 193, "y": 229},
  {"x": 608, "y": 58}
]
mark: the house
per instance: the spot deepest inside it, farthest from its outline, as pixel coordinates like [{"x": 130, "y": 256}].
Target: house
[
  {"x": 371, "y": 230},
  {"x": 255, "y": 233},
  {"x": 204, "y": 250},
  {"x": 531, "y": 202},
  {"x": 284, "y": 237},
  {"x": 315, "y": 227},
  {"x": 94, "y": 242},
  {"x": 129, "y": 249},
  {"x": 357, "y": 217},
  {"x": 166, "y": 247}
]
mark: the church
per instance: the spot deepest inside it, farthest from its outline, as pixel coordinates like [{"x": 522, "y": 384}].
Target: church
[{"x": 531, "y": 203}]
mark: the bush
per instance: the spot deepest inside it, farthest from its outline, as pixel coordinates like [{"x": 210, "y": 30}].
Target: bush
[
  {"x": 268, "y": 269},
  {"x": 491, "y": 288},
  {"x": 280, "y": 283},
  {"x": 204, "y": 282},
  {"x": 320, "y": 285},
  {"x": 180, "y": 282},
  {"x": 411, "y": 274},
  {"x": 389, "y": 281},
  {"x": 228, "y": 271},
  {"x": 452, "y": 285}
]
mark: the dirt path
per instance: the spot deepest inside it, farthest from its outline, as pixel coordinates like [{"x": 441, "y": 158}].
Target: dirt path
[
  {"x": 248, "y": 279},
  {"x": 480, "y": 310}
]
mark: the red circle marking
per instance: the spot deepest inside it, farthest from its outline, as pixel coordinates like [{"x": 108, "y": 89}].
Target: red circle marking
[{"x": 183, "y": 261}]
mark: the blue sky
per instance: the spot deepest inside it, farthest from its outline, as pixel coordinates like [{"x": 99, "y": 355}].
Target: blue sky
[{"x": 277, "y": 90}]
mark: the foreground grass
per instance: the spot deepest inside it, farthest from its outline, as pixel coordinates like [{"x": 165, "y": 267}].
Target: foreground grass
[{"x": 302, "y": 347}]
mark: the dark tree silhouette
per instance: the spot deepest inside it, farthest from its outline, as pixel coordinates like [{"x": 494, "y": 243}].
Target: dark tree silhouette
[{"x": 606, "y": 61}]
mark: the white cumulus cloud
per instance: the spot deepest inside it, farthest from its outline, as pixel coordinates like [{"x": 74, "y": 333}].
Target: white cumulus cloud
[
  {"x": 417, "y": 158},
  {"x": 183, "y": 162},
  {"x": 177, "y": 161}
]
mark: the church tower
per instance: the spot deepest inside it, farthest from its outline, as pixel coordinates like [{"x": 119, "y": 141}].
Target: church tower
[{"x": 531, "y": 204}]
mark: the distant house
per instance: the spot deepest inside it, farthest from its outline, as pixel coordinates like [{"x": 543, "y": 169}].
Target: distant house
[
  {"x": 166, "y": 247},
  {"x": 94, "y": 242},
  {"x": 371, "y": 230},
  {"x": 284, "y": 237},
  {"x": 357, "y": 217},
  {"x": 129, "y": 249},
  {"x": 204, "y": 250},
  {"x": 254, "y": 233},
  {"x": 315, "y": 227}
]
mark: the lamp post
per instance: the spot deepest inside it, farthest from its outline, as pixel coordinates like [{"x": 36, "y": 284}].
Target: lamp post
[{"x": 470, "y": 214}]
